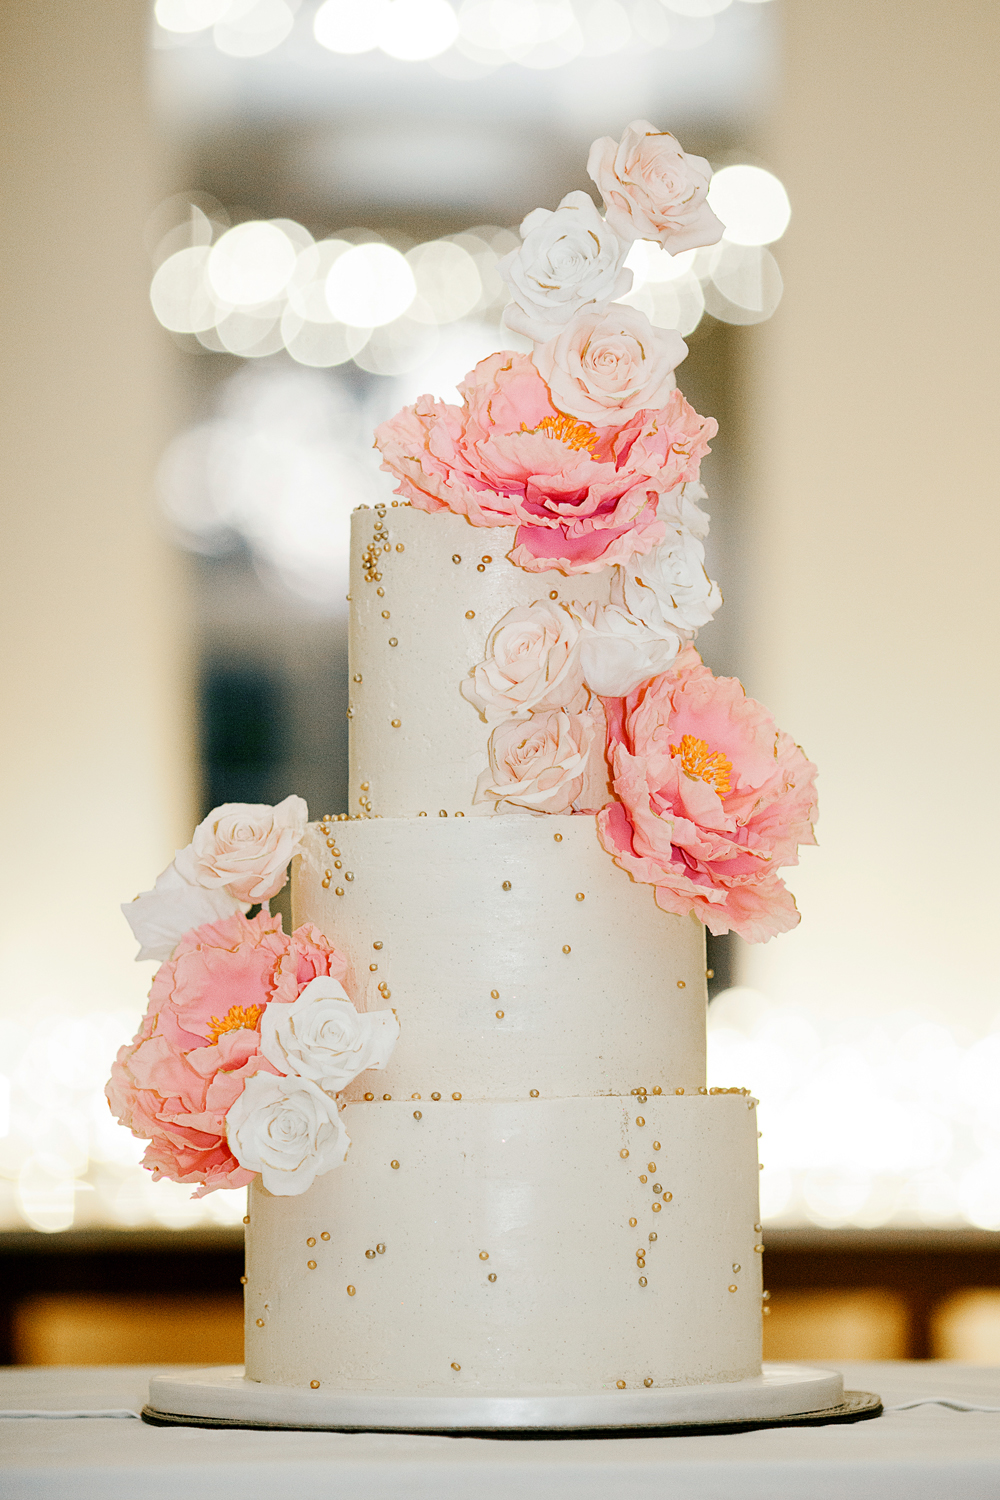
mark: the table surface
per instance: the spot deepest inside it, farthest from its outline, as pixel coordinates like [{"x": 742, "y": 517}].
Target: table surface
[{"x": 929, "y": 1451}]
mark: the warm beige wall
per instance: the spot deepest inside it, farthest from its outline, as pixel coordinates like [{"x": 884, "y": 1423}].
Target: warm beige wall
[
  {"x": 95, "y": 748},
  {"x": 875, "y": 394}
]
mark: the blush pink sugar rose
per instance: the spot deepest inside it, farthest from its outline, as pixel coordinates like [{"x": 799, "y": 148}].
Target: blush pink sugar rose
[
  {"x": 199, "y": 1041},
  {"x": 581, "y": 497},
  {"x": 712, "y": 800}
]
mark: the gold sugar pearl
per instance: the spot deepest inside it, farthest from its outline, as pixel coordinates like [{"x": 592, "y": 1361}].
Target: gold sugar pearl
[
  {"x": 652, "y": 1237},
  {"x": 553, "y": 593},
  {"x": 643, "y": 1177},
  {"x": 681, "y": 985},
  {"x": 387, "y": 1097},
  {"x": 651, "y": 1165},
  {"x": 733, "y": 1287},
  {"x": 759, "y": 1249},
  {"x": 414, "y": 1096},
  {"x": 621, "y": 1385},
  {"x": 260, "y": 1322},
  {"x": 492, "y": 1276},
  {"x": 533, "y": 1093},
  {"x": 557, "y": 837},
  {"x": 456, "y": 1096},
  {"x": 395, "y": 723},
  {"x": 376, "y": 945},
  {"x": 487, "y": 558},
  {"x": 642, "y": 1281},
  {"x": 373, "y": 968},
  {"x": 647, "y": 1382},
  {"x": 709, "y": 973},
  {"x": 494, "y": 994},
  {"x": 310, "y": 1243},
  {"x": 394, "y": 1165},
  {"x": 633, "y": 1222},
  {"x": 657, "y": 1089},
  {"x": 385, "y": 614},
  {"x": 399, "y": 545},
  {"x": 381, "y": 594},
  {"x": 417, "y": 1115},
  {"x": 580, "y": 896},
  {"x": 380, "y": 1249},
  {"x": 470, "y": 614},
  {"x": 505, "y": 886},
  {"x": 656, "y": 1208},
  {"x": 757, "y": 1227},
  {"x": 369, "y": 1255},
  {"x": 369, "y": 1096},
  {"x": 623, "y": 1153},
  {"x": 325, "y": 1235},
  {"x": 311, "y": 1264},
  {"x": 484, "y": 1255},
  {"x": 393, "y": 641},
  {"x": 443, "y": 813},
  {"x": 480, "y": 567},
  {"x": 435, "y": 1096},
  {"x": 338, "y": 890},
  {"x": 639, "y": 1120},
  {"x": 351, "y": 1290},
  {"x": 499, "y": 1015},
  {"x": 243, "y": 1281},
  {"x": 246, "y": 1219},
  {"x": 678, "y": 1091},
  {"x": 454, "y": 1366},
  {"x": 567, "y": 948},
  {"x": 314, "y": 1385},
  {"x": 656, "y": 1147},
  {"x": 737, "y": 1267},
  {"x": 667, "y": 1197}
]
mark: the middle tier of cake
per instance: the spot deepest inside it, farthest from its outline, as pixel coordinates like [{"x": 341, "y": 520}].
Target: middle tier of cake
[{"x": 519, "y": 959}]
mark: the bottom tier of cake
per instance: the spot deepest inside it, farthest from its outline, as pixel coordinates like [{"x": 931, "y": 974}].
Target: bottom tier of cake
[{"x": 530, "y": 1247}]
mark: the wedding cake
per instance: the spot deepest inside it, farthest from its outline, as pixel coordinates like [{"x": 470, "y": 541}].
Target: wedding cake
[{"x": 489, "y": 1185}]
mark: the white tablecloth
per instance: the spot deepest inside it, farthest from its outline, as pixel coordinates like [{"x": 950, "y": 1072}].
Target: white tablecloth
[{"x": 927, "y": 1453}]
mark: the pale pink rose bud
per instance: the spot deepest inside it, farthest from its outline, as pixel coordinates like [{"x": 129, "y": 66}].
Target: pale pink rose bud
[
  {"x": 653, "y": 190},
  {"x": 606, "y": 367},
  {"x": 538, "y": 763}
]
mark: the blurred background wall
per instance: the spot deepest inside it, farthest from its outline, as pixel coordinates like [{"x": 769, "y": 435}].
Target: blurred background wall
[{"x": 182, "y": 450}]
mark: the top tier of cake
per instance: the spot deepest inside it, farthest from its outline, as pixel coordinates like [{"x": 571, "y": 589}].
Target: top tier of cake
[{"x": 426, "y": 591}]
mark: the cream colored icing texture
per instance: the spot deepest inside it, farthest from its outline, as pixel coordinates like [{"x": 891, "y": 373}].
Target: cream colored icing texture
[
  {"x": 414, "y": 740},
  {"x": 436, "y": 1199},
  {"x": 475, "y": 917},
  {"x": 548, "y": 1223}
]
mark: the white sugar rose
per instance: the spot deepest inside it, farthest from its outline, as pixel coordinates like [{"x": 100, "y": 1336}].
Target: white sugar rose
[
  {"x": 653, "y": 190},
  {"x": 532, "y": 662},
  {"x": 159, "y": 918},
  {"x": 605, "y": 367},
  {"x": 668, "y": 588},
  {"x": 246, "y": 847},
  {"x": 680, "y": 507},
  {"x": 538, "y": 763},
  {"x": 569, "y": 259},
  {"x": 288, "y": 1130},
  {"x": 322, "y": 1037},
  {"x": 618, "y": 651}
]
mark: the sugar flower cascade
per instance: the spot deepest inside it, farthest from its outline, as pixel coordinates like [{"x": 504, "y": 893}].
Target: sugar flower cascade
[
  {"x": 249, "y": 1036},
  {"x": 589, "y": 450}
]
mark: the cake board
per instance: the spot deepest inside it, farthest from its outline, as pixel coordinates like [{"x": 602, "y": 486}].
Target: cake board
[{"x": 781, "y": 1395}]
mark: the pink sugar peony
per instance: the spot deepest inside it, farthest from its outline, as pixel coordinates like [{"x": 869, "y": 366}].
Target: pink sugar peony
[
  {"x": 200, "y": 1041},
  {"x": 712, "y": 800},
  {"x": 581, "y": 497}
]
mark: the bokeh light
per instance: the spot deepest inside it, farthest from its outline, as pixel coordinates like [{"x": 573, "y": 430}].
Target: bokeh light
[
  {"x": 251, "y": 263},
  {"x": 752, "y": 204},
  {"x": 416, "y": 29},
  {"x": 369, "y": 285}
]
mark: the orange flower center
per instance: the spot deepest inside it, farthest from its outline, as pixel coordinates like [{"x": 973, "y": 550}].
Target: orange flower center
[
  {"x": 698, "y": 762},
  {"x": 577, "y": 435},
  {"x": 235, "y": 1018}
]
